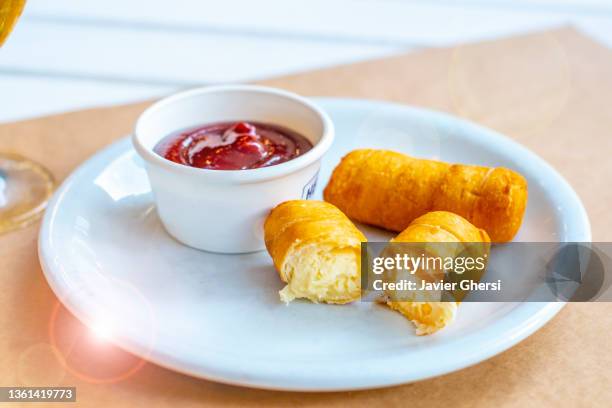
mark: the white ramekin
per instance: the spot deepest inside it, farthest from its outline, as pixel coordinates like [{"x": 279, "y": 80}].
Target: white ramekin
[{"x": 224, "y": 210}]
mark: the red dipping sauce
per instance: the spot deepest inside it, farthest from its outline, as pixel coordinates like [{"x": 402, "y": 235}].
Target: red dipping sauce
[{"x": 233, "y": 146}]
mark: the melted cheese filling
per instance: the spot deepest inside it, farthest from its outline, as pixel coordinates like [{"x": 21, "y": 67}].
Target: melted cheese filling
[{"x": 322, "y": 273}]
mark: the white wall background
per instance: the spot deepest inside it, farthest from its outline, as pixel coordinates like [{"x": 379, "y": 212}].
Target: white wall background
[{"x": 72, "y": 54}]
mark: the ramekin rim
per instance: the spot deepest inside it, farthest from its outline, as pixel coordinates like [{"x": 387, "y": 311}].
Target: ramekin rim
[{"x": 258, "y": 174}]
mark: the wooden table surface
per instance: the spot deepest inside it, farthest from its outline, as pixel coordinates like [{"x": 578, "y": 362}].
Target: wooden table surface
[
  {"x": 72, "y": 54},
  {"x": 549, "y": 92}
]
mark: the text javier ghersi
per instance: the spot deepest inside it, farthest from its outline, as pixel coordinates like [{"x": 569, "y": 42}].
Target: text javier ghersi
[{"x": 424, "y": 264}]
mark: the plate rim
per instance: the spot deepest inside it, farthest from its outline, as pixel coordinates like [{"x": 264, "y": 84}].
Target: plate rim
[{"x": 531, "y": 315}]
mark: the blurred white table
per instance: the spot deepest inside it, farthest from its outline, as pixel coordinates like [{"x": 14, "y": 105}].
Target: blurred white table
[{"x": 73, "y": 54}]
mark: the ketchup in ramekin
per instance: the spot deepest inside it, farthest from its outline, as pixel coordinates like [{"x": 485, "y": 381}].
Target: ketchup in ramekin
[{"x": 233, "y": 146}]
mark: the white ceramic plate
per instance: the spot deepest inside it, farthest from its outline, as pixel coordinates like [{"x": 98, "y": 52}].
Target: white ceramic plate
[{"x": 218, "y": 317}]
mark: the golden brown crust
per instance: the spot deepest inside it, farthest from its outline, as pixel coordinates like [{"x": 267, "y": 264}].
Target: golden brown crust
[
  {"x": 300, "y": 222},
  {"x": 389, "y": 189},
  {"x": 444, "y": 227}
]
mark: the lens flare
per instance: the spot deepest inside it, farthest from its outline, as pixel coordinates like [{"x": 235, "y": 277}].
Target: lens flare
[
  {"x": 89, "y": 350},
  {"x": 101, "y": 331}
]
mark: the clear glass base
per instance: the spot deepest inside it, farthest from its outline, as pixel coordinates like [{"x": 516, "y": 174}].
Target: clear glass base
[{"x": 25, "y": 188}]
